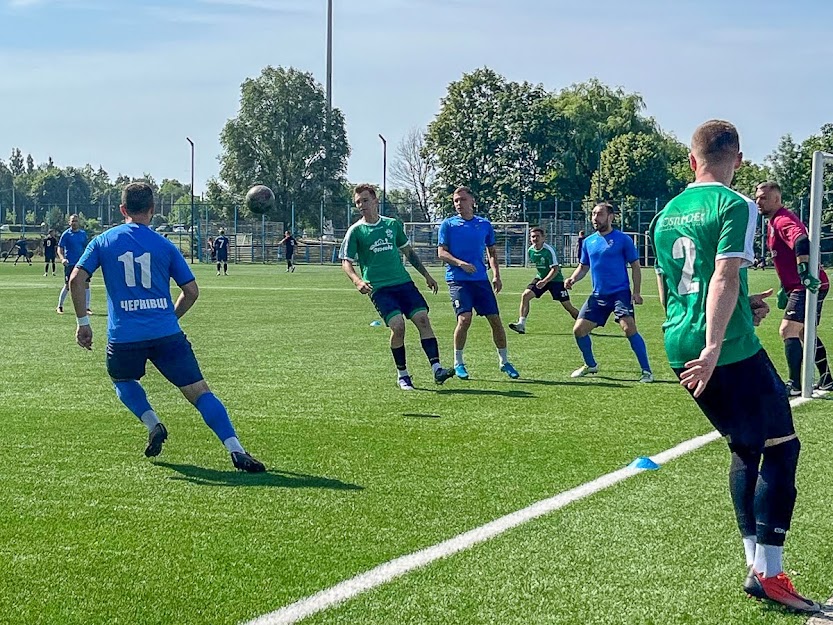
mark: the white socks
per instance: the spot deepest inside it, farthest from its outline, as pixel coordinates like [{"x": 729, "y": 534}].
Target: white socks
[
  {"x": 149, "y": 419},
  {"x": 87, "y": 291},
  {"x": 458, "y": 357},
  {"x": 63, "y": 296},
  {"x": 233, "y": 445},
  {"x": 749, "y": 543},
  {"x": 768, "y": 560},
  {"x": 503, "y": 355}
]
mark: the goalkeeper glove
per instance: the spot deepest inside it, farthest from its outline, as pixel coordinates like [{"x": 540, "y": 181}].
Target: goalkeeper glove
[
  {"x": 810, "y": 283},
  {"x": 783, "y": 299}
]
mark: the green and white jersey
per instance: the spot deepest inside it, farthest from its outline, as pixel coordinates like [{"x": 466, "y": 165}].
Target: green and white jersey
[
  {"x": 543, "y": 260},
  {"x": 376, "y": 247},
  {"x": 705, "y": 223}
]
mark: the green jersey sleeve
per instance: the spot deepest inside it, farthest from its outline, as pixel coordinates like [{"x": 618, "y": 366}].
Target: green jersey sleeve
[
  {"x": 348, "y": 249},
  {"x": 400, "y": 238},
  {"x": 737, "y": 230}
]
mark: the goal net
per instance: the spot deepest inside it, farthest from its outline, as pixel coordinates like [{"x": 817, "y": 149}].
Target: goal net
[{"x": 511, "y": 241}]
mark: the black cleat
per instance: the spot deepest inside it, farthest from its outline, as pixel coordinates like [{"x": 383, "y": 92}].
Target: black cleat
[
  {"x": 245, "y": 462},
  {"x": 156, "y": 437},
  {"x": 441, "y": 375},
  {"x": 517, "y": 327},
  {"x": 825, "y": 383}
]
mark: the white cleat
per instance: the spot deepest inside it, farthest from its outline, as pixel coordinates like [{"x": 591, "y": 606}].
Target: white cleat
[
  {"x": 647, "y": 376},
  {"x": 583, "y": 371},
  {"x": 405, "y": 383}
]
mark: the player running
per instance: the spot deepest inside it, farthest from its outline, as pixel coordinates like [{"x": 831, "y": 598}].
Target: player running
[
  {"x": 787, "y": 239},
  {"x": 549, "y": 279},
  {"x": 70, "y": 247},
  {"x": 143, "y": 322},
  {"x": 377, "y": 244},
  {"x": 606, "y": 254},
  {"x": 50, "y": 250},
  {"x": 221, "y": 244},
  {"x": 703, "y": 241}
]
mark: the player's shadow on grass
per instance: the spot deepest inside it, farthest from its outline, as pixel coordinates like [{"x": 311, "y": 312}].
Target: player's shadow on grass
[
  {"x": 273, "y": 477},
  {"x": 569, "y": 382},
  {"x": 612, "y": 379},
  {"x": 485, "y": 391},
  {"x": 421, "y": 415}
]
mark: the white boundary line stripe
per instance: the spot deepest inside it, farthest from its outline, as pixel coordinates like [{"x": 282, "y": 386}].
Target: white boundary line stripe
[{"x": 397, "y": 567}]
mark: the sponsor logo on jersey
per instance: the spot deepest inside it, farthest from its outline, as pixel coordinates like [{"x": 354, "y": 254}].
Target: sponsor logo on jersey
[{"x": 381, "y": 245}]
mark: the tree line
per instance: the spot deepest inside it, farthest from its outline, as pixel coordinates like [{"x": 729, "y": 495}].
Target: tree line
[{"x": 514, "y": 143}]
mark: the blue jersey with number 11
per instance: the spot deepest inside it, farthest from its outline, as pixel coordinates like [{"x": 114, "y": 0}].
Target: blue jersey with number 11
[{"x": 138, "y": 265}]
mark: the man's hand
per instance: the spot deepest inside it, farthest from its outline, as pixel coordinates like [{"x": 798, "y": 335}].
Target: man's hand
[
  {"x": 84, "y": 337},
  {"x": 569, "y": 282},
  {"x": 810, "y": 282},
  {"x": 760, "y": 309},
  {"x": 699, "y": 371},
  {"x": 497, "y": 285},
  {"x": 432, "y": 284},
  {"x": 637, "y": 299},
  {"x": 542, "y": 284},
  {"x": 783, "y": 298},
  {"x": 64, "y": 261},
  {"x": 467, "y": 267},
  {"x": 363, "y": 287}
]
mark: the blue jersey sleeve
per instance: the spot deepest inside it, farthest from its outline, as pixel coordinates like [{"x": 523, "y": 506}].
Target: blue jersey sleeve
[
  {"x": 490, "y": 235},
  {"x": 631, "y": 253},
  {"x": 62, "y": 242},
  {"x": 585, "y": 257},
  {"x": 180, "y": 271},
  {"x": 90, "y": 259},
  {"x": 442, "y": 235}
]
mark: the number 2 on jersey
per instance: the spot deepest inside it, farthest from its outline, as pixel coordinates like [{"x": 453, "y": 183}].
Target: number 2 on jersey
[
  {"x": 130, "y": 272},
  {"x": 684, "y": 248}
]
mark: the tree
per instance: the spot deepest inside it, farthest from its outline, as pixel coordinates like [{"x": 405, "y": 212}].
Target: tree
[
  {"x": 749, "y": 176},
  {"x": 16, "y": 164},
  {"x": 786, "y": 166},
  {"x": 30, "y": 164},
  {"x": 282, "y": 138},
  {"x": 413, "y": 170},
  {"x": 55, "y": 219}
]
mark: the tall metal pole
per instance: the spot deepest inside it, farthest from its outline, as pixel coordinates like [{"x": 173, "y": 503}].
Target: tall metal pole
[
  {"x": 384, "y": 171},
  {"x": 192, "y": 198},
  {"x": 329, "y": 59}
]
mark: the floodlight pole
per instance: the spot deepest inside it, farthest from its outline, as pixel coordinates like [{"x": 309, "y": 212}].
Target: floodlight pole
[
  {"x": 384, "y": 171},
  {"x": 814, "y": 232},
  {"x": 329, "y": 59},
  {"x": 192, "y": 198}
]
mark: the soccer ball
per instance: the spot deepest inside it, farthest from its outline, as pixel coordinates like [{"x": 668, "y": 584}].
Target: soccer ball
[{"x": 260, "y": 199}]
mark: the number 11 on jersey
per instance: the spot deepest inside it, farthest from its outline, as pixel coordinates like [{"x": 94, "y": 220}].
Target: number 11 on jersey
[{"x": 130, "y": 272}]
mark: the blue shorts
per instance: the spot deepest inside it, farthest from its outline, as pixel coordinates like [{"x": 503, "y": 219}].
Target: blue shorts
[
  {"x": 597, "y": 308},
  {"x": 171, "y": 355},
  {"x": 399, "y": 299},
  {"x": 474, "y": 295},
  {"x": 222, "y": 257},
  {"x": 68, "y": 271}
]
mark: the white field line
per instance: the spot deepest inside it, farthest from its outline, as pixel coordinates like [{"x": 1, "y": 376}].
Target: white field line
[{"x": 388, "y": 571}]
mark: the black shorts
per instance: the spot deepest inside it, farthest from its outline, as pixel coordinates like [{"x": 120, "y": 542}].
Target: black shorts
[
  {"x": 289, "y": 254},
  {"x": 399, "y": 299},
  {"x": 171, "y": 355},
  {"x": 747, "y": 402},
  {"x": 797, "y": 303},
  {"x": 556, "y": 289},
  {"x": 222, "y": 257},
  {"x": 49, "y": 258},
  {"x": 68, "y": 272}
]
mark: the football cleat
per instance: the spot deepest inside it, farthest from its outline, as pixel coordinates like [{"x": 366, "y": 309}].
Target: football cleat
[
  {"x": 584, "y": 370},
  {"x": 647, "y": 376},
  {"x": 441, "y": 375},
  {"x": 405, "y": 383},
  {"x": 509, "y": 370},
  {"x": 60, "y": 310},
  {"x": 156, "y": 437},
  {"x": 825, "y": 383},
  {"x": 246, "y": 462},
  {"x": 780, "y": 589},
  {"x": 517, "y": 327},
  {"x": 461, "y": 372},
  {"x": 793, "y": 389}
]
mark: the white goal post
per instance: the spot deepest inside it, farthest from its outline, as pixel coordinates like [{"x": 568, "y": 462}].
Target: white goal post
[
  {"x": 820, "y": 159},
  {"x": 511, "y": 241}
]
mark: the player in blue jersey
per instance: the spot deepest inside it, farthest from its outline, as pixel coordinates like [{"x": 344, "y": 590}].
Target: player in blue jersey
[
  {"x": 22, "y": 250},
  {"x": 464, "y": 240},
  {"x": 221, "y": 252},
  {"x": 606, "y": 255},
  {"x": 143, "y": 322},
  {"x": 70, "y": 248}
]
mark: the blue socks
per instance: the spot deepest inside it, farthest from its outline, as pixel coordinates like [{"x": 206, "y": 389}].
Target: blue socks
[
  {"x": 638, "y": 347},
  {"x": 586, "y": 347},
  {"x": 215, "y": 415},
  {"x": 132, "y": 395}
]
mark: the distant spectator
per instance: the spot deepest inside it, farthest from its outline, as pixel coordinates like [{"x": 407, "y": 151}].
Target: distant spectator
[{"x": 579, "y": 244}]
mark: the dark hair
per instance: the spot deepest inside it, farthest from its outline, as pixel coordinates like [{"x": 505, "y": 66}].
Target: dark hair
[
  {"x": 536, "y": 229},
  {"x": 137, "y": 198},
  {"x": 361, "y": 188},
  {"x": 715, "y": 141},
  {"x": 769, "y": 185},
  {"x": 607, "y": 205}
]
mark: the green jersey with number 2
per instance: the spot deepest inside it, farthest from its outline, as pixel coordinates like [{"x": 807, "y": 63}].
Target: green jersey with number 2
[{"x": 705, "y": 223}]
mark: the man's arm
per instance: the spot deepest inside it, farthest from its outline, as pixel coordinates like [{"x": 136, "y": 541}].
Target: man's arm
[
  {"x": 637, "y": 282},
  {"x": 444, "y": 255},
  {"x": 363, "y": 287},
  {"x": 721, "y": 302},
  {"x": 416, "y": 263},
  {"x": 661, "y": 288},
  {"x": 77, "y": 290},
  {"x": 187, "y": 297},
  {"x": 578, "y": 273},
  {"x": 548, "y": 278},
  {"x": 491, "y": 254}
]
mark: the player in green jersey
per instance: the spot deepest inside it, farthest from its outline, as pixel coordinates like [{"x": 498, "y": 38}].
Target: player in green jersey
[
  {"x": 377, "y": 244},
  {"x": 548, "y": 280},
  {"x": 703, "y": 240}
]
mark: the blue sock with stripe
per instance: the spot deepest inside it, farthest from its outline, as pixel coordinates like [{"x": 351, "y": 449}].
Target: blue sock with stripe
[
  {"x": 586, "y": 347},
  {"x": 132, "y": 395},
  {"x": 215, "y": 415},
  {"x": 641, "y": 351}
]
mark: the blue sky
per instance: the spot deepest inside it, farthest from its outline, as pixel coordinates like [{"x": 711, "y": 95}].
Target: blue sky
[{"x": 121, "y": 83}]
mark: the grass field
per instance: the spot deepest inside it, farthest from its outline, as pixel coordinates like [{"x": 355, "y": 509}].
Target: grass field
[{"x": 361, "y": 473}]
